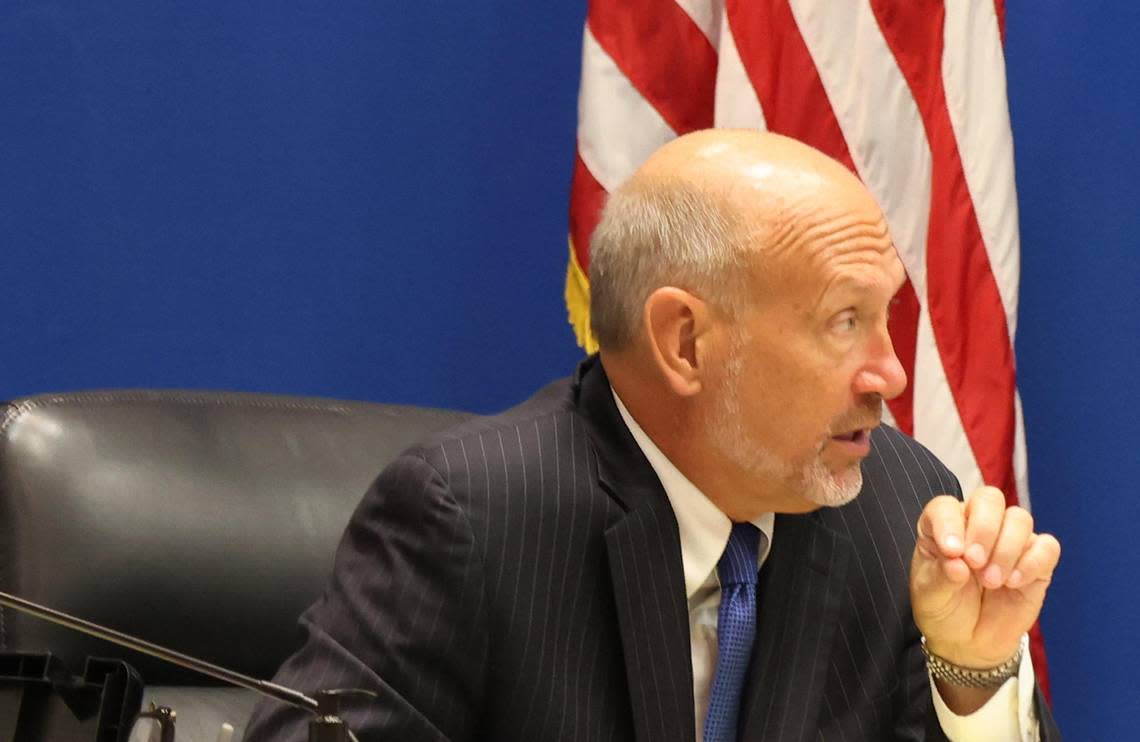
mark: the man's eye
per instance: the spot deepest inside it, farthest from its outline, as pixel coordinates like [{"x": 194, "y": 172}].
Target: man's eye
[{"x": 845, "y": 322}]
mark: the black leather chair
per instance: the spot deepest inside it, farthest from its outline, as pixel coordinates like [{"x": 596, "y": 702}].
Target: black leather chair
[{"x": 203, "y": 521}]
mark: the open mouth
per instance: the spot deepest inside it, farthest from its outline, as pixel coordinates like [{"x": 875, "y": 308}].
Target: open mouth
[{"x": 861, "y": 435}]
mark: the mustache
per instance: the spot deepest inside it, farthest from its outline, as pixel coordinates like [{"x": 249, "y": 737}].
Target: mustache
[{"x": 868, "y": 414}]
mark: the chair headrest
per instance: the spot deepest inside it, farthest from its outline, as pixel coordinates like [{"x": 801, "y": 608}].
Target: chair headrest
[{"x": 202, "y": 521}]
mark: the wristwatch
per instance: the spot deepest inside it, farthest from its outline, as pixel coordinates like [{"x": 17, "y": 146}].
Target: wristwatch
[{"x": 990, "y": 677}]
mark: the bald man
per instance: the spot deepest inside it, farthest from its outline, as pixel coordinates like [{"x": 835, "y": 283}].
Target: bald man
[{"x": 706, "y": 534}]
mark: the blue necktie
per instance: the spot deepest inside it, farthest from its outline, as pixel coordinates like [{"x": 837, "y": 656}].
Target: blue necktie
[{"x": 736, "y": 628}]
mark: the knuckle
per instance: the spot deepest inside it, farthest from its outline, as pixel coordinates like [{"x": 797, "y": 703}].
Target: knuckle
[
  {"x": 942, "y": 502},
  {"x": 986, "y": 502},
  {"x": 1050, "y": 545},
  {"x": 1019, "y": 516},
  {"x": 984, "y": 527},
  {"x": 942, "y": 512},
  {"x": 1008, "y": 550},
  {"x": 990, "y": 494}
]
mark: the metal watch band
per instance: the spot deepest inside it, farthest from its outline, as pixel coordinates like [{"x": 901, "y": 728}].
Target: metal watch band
[{"x": 991, "y": 677}]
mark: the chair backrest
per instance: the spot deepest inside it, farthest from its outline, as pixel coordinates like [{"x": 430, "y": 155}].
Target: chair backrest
[{"x": 202, "y": 521}]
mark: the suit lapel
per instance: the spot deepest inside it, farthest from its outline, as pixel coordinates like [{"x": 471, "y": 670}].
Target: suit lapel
[
  {"x": 653, "y": 618},
  {"x": 644, "y": 551},
  {"x": 800, "y": 594}
]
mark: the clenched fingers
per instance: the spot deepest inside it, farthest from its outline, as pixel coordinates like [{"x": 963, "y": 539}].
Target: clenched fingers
[
  {"x": 941, "y": 536},
  {"x": 1013, "y": 540},
  {"x": 985, "y": 537},
  {"x": 985, "y": 512},
  {"x": 1037, "y": 562}
]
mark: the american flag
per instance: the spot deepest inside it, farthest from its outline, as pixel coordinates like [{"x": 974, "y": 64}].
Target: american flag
[{"x": 909, "y": 94}]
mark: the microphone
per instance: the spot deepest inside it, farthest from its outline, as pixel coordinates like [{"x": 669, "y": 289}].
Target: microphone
[{"x": 326, "y": 726}]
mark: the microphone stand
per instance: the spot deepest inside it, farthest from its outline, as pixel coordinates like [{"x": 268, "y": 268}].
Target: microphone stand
[{"x": 327, "y": 726}]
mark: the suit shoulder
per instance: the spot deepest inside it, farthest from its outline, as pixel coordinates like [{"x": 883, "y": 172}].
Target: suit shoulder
[
  {"x": 547, "y": 401},
  {"x": 903, "y": 465},
  {"x": 541, "y": 426}
]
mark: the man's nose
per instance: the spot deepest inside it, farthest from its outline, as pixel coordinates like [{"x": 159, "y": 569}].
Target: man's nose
[{"x": 883, "y": 373}]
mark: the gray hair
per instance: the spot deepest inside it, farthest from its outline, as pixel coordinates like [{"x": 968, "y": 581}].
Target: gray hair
[{"x": 658, "y": 232}]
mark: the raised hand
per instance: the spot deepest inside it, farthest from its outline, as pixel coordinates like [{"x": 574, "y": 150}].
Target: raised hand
[{"x": 978, "y": 577}]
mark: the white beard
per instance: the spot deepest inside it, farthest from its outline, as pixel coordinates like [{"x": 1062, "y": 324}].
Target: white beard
[{"x": 814, "y": 480}]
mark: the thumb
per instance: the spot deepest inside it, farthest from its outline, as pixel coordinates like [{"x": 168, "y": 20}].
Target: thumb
[{"x": 935, "y": 577}]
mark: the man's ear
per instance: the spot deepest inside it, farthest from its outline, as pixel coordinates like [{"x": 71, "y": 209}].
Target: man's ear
[{"x": 676, "y": 322}]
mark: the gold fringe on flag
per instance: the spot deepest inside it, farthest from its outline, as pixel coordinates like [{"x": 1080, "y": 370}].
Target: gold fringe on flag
[{"x": 578, "y": 302}]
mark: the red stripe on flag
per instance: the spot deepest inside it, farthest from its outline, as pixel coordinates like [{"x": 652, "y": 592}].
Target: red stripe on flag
[
  {"x": 587, "y": 197},
  {"x": 784, "y": 76},
  {"x": 999, "y": 9},
  {"x": 965, "y": 306},
  {"x": 903, "y": 325},
  {"x": 658, "y": 47}
]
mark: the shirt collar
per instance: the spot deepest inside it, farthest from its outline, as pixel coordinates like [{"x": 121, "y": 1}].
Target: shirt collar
[{"x": 703, "y": 527}]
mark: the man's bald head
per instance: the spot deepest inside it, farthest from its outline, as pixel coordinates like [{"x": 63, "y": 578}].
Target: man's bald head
[
  {"x": 693, "y": 215},
  {"x": 763, "y": 160},
  {"x": 740, "y": 287}
]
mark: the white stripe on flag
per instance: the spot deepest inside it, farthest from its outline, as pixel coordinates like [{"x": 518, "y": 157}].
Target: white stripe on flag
[
  {"x": 937, "y": 424},
  {"x": 617, "y": 128},
  {"x": 706, "y": 16},
  {"x": 736, "y": 105},
  {"x": 1020, "y": 454},
  {"x": 973, "y": 74}
]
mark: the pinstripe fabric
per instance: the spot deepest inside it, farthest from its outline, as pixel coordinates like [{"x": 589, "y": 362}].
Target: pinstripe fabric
[{"x": 520, "y": 578}]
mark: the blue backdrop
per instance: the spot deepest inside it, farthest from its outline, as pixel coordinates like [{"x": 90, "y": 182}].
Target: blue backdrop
[
  {"x": 1074, "y": 87},
  {"x": 350, "y": 200}
]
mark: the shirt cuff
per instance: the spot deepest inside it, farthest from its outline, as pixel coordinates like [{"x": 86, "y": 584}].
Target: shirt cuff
[{"x": 1008, "y": 715}]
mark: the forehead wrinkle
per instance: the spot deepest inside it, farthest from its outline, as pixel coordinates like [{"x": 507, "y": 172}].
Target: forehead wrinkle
[
  {"x": 852, "y": 272},
  {"x": 848, "y": 230},
  {"x": 839, "y": 238},
  {"x": 853, "y": 254},
  {"x": 812, "y": 219},
  {"x": 825, "y": 246}
]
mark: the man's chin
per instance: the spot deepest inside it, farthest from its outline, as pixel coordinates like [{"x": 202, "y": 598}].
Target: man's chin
[{"x": 828, "y": 489}]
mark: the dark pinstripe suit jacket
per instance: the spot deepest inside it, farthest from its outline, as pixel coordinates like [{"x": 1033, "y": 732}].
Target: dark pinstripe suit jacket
[{"x": 520, "y": 578}]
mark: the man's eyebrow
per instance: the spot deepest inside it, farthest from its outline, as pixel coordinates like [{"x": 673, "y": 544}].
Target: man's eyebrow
[{"x": 855, "y": 283}]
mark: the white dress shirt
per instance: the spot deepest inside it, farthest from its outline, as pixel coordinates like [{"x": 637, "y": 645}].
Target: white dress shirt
[{"x": 704, "y": 531}]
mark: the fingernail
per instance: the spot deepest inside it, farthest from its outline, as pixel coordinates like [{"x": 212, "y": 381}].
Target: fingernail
[
  {"x": 976, "y": 554},
  {"x": 992, "y": 576},
  {"x": 953, "y": 542},
  {"x": 1015, "y": 578}
]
